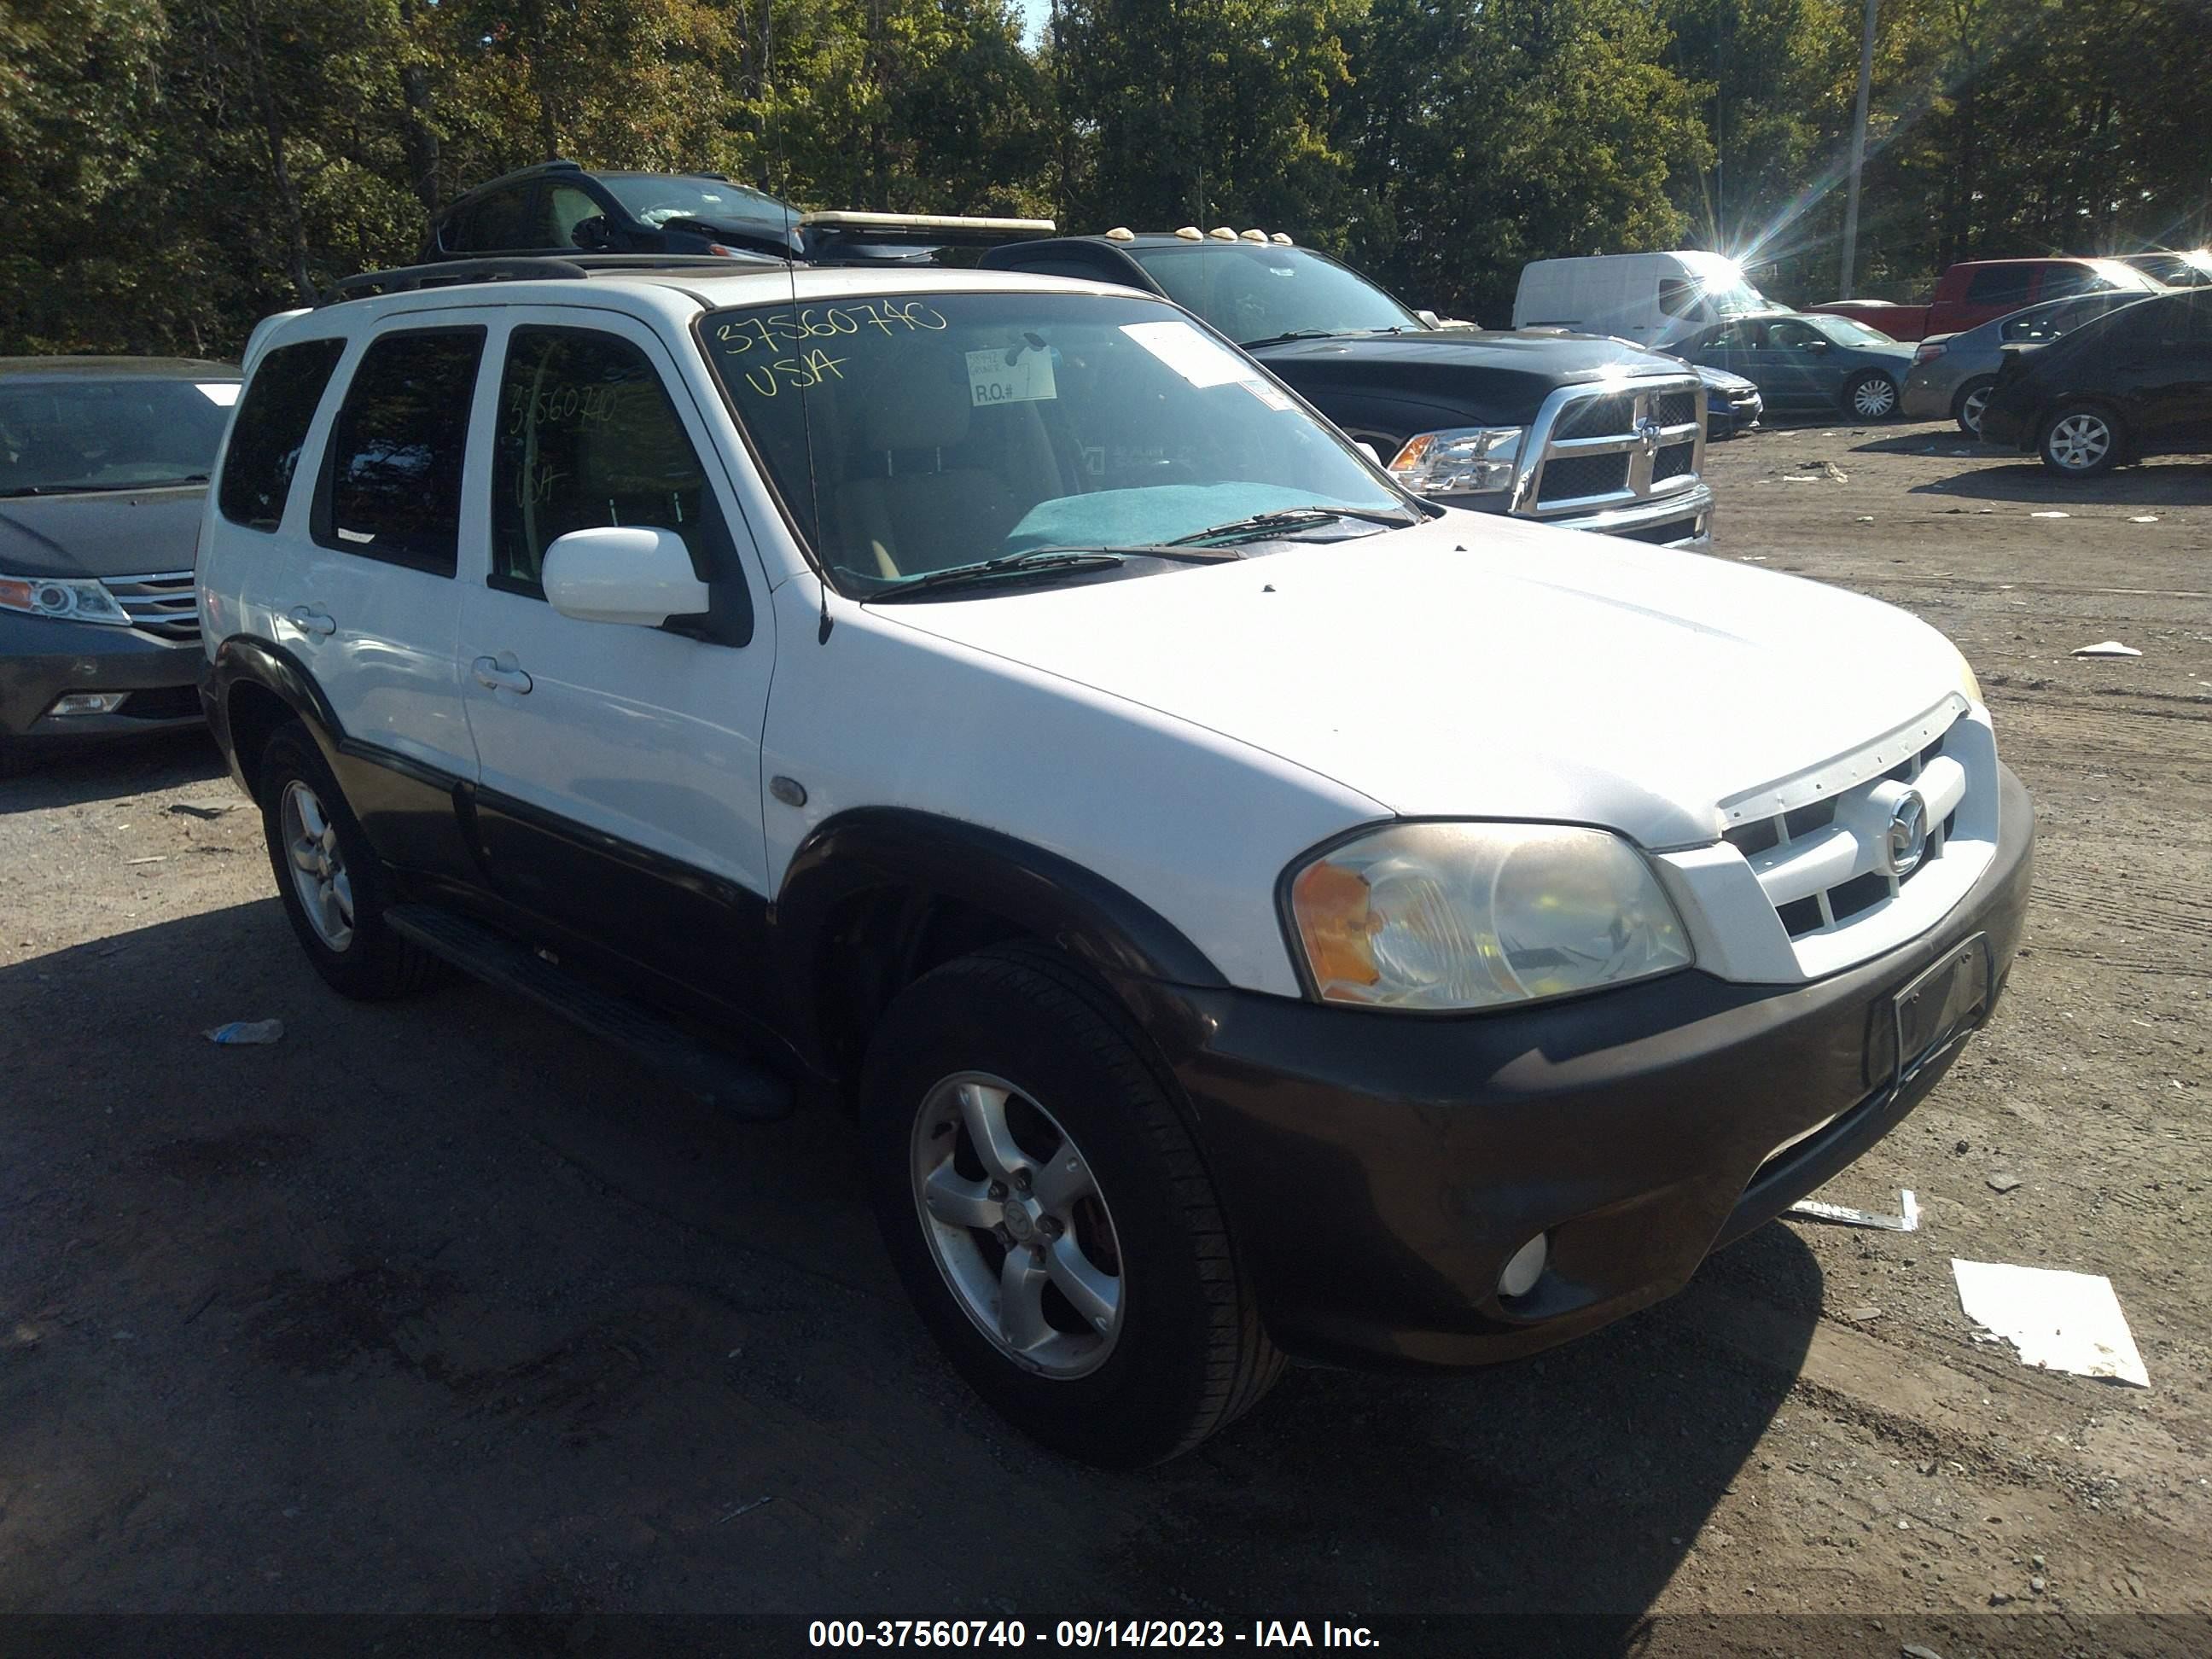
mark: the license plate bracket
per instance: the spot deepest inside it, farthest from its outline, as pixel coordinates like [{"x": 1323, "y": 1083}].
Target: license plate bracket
[{"x": 1940, "y": 1005}]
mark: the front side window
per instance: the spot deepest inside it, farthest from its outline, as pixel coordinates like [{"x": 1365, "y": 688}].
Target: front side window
[
  {"x": 2000, "y": 285},
  {"x": 272, "y": 425},
  {"x": 391, "y": 481},
  {"x": 85, "y": 435},
  {"x": 1252, "y": 293},
  {"x": 1845, "y": 331},
  {"x": 909, "y": 434},
  {"x": 499, "y": 219}
]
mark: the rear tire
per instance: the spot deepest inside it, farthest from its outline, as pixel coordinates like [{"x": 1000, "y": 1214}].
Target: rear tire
[
  {"x": 1012, "y": 1063},
  {"x": 1871, "y": 397},
  {"x": 1966, "y": 408},
  {"x": 2080, "y": 440},
  {"x": 334, "y": 887}
]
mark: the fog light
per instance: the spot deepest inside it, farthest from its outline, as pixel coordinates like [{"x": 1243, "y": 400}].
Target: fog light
[
  {"x": 87, "y": 702},
  {"x": 1526, "y": 1267}
]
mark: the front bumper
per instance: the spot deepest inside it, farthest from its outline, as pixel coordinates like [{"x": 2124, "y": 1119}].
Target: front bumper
[
  {"x": 1380, "y": 1170},
  {"x": 1681, "y": 518},
  {"x": 1925, "y": 399},
  {"x": 2006, "y": 425},
  {"x": 42, "y": 660}
]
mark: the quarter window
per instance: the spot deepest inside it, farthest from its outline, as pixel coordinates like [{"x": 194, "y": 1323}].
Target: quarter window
[
  {"x": 588, "y": 437},
  {"x": 272, "y": 424},
  {"x": 392, "y": 485}
]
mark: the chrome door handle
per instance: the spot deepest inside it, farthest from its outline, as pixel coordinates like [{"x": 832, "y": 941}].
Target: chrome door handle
[
  {"x": 494, "y": 675},
  {"x": 309, "y": 620}
]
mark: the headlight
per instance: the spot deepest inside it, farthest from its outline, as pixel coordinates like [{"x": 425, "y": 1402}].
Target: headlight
[
  {"x": 1470, "y": 915},
  {"x": 1467, "y": 460},
  {"x": 64, "y": 600},
  {"x": 1967, "y": 682}
]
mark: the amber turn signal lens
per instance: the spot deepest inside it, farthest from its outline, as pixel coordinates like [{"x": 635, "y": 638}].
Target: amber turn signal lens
[{"x": 1330, "y": 905}]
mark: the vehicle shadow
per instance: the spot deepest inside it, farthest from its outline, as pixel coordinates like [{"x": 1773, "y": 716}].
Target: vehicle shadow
[
  {"x": 494, "y": 1321},
  {"x": 129, "y": 767},
  {"x": 2179, "y": 482}
]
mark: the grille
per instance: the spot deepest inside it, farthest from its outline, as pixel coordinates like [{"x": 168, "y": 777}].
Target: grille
[
  {"x": 1572, "y": 476},
  {"x": 166, "y": 606},
  {"x": 1599, "y": 450},
  {"x": 1824, "y": 864}
]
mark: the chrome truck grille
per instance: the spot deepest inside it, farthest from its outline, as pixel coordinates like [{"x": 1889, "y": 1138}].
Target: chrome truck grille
[
  {"x": 1597, "y": 448},
  {"x": 165, "y": 604}
]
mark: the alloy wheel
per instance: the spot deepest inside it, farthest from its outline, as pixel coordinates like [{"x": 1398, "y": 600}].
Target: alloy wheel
[
  {"x": 318, "y": 865},
  {"x": 2079, "y": 441},
  {"x": 1018, "y": 1225},
  {"x": 1970, "y": 410},
  {"x": 1872, "y": 398}
]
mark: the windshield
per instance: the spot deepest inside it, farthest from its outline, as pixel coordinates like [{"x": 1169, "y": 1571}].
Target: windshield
[
  {"x": 110, "y": 434},
  {"x": 1252, "y": 292},
  {"x": 947, "y": 428},
  {"x": 1735, "y": 298},
  {"x": 1845, "y": 331},
  {"x": 654, "y": 199}
]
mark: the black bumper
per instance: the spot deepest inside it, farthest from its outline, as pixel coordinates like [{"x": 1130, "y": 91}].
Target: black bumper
[
  {"x": 2007, "y": 423},
  {"x": 1379, "y": 1170},
  {"x": 41, "y": 660}
]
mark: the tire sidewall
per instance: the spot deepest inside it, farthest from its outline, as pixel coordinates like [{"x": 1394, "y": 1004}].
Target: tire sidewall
[{"x": 1131, "y": 1410}]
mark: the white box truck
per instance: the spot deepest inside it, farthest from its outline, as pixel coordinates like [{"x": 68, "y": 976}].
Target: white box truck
[{"x": 1652, "y": 298}]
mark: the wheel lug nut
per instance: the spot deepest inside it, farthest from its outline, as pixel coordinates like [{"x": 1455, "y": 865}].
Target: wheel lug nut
[
  {"x": 998, "y": 1190},
  {"x": 1021, "y": 1181},
  {"x": 1053, "y": 1226}
]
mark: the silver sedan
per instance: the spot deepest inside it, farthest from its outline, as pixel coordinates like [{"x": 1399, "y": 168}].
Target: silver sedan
[{"x": 1951, "y": 373}]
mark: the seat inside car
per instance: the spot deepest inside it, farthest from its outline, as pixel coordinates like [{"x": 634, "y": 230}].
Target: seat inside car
[{"x": 910, "y": 503}]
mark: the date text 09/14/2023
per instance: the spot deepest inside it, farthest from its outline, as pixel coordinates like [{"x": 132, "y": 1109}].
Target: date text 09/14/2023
[{"x": 994, "y": 1634}]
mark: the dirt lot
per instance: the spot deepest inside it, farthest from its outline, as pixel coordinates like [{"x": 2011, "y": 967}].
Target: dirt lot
[{"x": 439, "y": 1306}]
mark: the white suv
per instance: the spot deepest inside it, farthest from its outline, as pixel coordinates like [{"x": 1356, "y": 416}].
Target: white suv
[{"x": 1254, "y": 912}]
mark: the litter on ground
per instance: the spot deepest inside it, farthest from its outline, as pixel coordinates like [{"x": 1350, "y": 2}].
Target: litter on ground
[
  {"x": 1907, "y": 1220},
  {"x": 2057, "y": 1321},
  {"x": 2107, "y": 648},
  {"x": 248, "y": 1031},
  {"x": 2050, "y": 516}
]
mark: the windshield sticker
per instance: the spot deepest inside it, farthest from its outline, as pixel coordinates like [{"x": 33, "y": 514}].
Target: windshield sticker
[
  {"x": 1190, "y": 354},
  {"x": 222, "y": 393},
  {"x": 1269, "y": 394},
  {"x": 1019, "y": 373},
  {"x": 787, "y": 328}
]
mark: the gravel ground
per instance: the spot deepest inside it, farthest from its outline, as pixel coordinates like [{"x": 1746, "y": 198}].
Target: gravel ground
[{"x": 440, "y": 1306}]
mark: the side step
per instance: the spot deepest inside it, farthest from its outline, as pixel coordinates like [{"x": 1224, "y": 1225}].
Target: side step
[{"x": 730, "y": 1081}]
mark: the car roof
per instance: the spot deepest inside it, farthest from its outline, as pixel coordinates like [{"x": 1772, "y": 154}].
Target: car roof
[{"x": 89, "y": 368}]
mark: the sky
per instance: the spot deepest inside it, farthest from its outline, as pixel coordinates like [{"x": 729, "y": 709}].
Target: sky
[{"x": 1034, "y": 13}]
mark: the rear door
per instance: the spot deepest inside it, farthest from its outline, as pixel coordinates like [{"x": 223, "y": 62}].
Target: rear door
[
  {"x": 619, "y": 784},
  {"x": 2168, "y": 361}
]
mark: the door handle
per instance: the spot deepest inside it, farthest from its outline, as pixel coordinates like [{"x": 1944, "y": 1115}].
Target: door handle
[
  {"x": 310, "y": 620},
  {"x": 500, "y": 674}
]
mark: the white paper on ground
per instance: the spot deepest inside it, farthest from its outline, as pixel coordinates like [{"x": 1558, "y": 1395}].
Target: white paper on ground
[{"x": 2058, "y": 1321}]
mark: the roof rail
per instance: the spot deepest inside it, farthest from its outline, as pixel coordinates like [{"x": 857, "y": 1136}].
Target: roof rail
[{"x": 529, "y": 268}]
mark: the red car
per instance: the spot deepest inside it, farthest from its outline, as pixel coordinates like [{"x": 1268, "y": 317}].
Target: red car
[{"x": 1977, "y": 291}]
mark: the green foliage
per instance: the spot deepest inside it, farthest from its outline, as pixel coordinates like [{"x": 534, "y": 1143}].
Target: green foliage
[{"x": 174, "y": 169}]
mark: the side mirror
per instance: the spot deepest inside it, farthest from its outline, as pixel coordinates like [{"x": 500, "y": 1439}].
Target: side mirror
[
  {"x": 593, "y": 235},
  {"x": 1373, "y": 453},
  {"x": 1816, "y": 347},
  {"x": 638, "y": 575},
  {"x": 1430, "y": 318}
]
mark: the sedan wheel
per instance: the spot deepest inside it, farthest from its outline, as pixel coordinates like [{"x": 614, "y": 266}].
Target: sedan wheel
[
  {"x": 1018, "y": 1225},
  {"x": 319, "y": 868},
  {"x": 1873, "y": 397},
  {"x": 2081, "y": 442},
  {"x": 1970, "y": 407}
]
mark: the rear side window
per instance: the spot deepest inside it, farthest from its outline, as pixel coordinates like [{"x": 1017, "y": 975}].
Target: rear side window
[
  {"x": 273, "y": 418},
  {"x": 391, "y": 483},
  {"x": 2000, "y": 285}
]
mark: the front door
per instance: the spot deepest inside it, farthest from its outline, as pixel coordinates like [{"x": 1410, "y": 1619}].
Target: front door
[{"x": 619, "y": 785}]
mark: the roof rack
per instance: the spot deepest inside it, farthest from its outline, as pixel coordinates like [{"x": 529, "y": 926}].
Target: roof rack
[{"x": 532, "y": 268}]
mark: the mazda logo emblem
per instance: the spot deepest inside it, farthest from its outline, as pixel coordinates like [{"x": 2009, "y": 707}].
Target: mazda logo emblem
[{"x": 1907, "y": 840}]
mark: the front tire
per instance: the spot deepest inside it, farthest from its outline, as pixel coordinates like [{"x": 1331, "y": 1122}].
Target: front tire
[
  {"x": 334, "y": 887},
  {"x": 1973, "y": 398},
  {"x": 1050, "y": 1215},
  {"x": 2080, "y": 440},
  {"x": 1871, "y": 397}
]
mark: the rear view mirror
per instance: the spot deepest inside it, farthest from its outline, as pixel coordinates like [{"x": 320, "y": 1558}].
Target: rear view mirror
[{"x": 620, "y": 574}]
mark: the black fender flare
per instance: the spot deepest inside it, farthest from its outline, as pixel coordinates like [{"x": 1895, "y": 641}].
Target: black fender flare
[
  {"x": 1094, "y": 920},
  {"x": 248, "y": 658}
]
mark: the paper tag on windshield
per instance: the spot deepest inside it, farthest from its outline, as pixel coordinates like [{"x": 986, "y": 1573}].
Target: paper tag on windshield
[
  {"x": 222, "y": 393},
  {"x": 1190, "y": 354},
  {"x": 1026, "y": 379},
  {"x": 1266, "y": 394}
]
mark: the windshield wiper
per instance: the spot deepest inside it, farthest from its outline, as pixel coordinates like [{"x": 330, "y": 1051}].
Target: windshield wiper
[
  {"x": 1295, "y": 334},
  {"x": 1294, "y": 518},
  {"x": 1038, "y": 561}
]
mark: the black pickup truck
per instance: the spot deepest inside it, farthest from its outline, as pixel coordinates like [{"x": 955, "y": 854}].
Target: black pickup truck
[{"x": 1587, "y": 433}]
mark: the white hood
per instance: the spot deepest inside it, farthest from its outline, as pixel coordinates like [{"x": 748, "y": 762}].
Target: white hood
[{"x": 1480, "y": 667}]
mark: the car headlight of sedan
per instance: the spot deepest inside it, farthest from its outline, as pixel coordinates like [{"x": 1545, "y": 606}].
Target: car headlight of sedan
[
  {"x": 61, "y": 598},
  {"x": 1434, "y": 916},
  {"x": 1467, "y": 460}
]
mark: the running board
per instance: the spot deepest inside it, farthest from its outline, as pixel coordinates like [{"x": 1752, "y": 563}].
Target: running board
[{"x": 730, "y": 1081}]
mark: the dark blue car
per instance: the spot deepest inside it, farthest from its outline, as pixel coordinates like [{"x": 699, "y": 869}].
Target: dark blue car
[{"x": 1805, "y": 364}]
